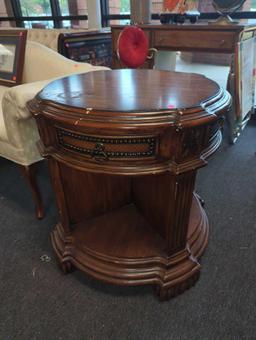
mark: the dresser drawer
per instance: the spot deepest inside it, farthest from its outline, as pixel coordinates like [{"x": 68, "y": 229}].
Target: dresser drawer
[
  {"x": 107, "y": 147},
  {"x": 195, "y": 40}
]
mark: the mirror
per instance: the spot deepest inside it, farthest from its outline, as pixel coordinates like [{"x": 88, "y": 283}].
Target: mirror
[{"x": 225, "y": 7}]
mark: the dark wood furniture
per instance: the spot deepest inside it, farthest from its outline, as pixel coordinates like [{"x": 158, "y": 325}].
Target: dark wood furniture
[
  {"x": 124, "y": 147},
  {"x": 13, "y": 45},
  {"x": 202, "y": 37},
  {"x": 92, "y": 47}
]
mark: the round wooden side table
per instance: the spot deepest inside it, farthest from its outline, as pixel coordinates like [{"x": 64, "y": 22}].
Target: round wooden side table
[{"x": 123, "y": 148}]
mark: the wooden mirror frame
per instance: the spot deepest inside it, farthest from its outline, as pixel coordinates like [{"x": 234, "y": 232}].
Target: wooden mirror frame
[{"x": 12, "y": 45}]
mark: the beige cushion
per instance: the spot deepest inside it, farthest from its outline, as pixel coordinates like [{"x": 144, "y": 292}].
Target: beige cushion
[
  {"x": 3, "y": 133},
  {"x": 42, "y": 63},
  {"x": 45, "y": 37},
  {"x": 49, "y": 37}
]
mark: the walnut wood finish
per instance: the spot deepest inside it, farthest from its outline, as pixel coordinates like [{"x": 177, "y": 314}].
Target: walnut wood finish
[
  {"x": 16, "y": 38},
  {"x": 123, "y": 149},
  {"x": 201, "y": 37}
]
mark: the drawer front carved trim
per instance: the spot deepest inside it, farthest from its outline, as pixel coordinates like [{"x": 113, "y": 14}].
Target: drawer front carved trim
[
  {"x": 108, "y": 147},
  {"x": 203, "y": 40}
]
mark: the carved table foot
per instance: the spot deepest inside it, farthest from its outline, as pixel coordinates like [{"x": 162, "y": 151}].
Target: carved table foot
[
  {"x": 166, "y": 293},
  {"x": 67, "y": 267}
]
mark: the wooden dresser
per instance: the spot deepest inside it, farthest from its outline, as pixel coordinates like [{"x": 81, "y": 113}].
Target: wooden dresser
[{"x": 124, "y": 147}]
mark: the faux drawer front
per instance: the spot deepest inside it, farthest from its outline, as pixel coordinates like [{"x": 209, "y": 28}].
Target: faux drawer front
[
  {"x": 104, "y": 148},
  {"x": 195, "y": 40}
]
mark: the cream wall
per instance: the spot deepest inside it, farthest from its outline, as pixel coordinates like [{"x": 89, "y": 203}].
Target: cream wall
[
  {"x": 2, "y": 9},
  {"x": 3, "y": 13},
  {"x": 78, "y": 7}
]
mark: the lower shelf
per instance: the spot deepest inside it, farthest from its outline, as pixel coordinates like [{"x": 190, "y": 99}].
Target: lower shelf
[{"x": 121, "y": 248}]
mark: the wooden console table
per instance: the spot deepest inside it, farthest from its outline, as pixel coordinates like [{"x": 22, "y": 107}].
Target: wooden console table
[
  {"x": 124, "y": 147},
  {"x": 202, "y": 37}
]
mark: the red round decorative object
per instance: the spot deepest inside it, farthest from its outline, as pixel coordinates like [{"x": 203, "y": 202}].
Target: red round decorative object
[{"x": 132, "y": 46}]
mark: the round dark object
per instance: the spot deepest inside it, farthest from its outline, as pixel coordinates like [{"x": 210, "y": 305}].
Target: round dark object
[
  {"x": 193, "y": 19},
  {"x": 165, "y": 18},
  {"x": 227, "y": 6},
  {"x": 181, "y": 18}
]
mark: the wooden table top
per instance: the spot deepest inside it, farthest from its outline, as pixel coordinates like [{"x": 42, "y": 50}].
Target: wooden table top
[{"x": 130, "y": 90}]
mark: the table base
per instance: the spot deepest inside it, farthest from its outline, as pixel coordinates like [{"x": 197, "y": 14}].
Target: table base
[{"x": 121, "y": 247}]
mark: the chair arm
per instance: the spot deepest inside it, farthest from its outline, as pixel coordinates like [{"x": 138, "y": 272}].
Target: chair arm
[
  {"x": 18, "y": 120},
  {"x": 15, "y": 99},
  {"x": 20, "y": 125},
  {"x": 42, "y": 63}
]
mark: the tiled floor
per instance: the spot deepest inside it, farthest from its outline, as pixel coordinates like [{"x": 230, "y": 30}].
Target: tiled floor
[
  {"x": 165, "y": 60},
  {"x": 214, "y": 72}
]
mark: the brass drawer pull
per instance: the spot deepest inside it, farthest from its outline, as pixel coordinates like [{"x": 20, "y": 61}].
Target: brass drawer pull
[{"x": 98, "y": 153}]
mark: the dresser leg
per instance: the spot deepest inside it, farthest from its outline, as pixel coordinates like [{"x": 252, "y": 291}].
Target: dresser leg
[
  {"x": 67, "y": 267},
  {"x": 29, "y": 172}
]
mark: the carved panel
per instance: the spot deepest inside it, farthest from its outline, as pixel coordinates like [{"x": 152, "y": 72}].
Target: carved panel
[{"x": 192, "y": 141}]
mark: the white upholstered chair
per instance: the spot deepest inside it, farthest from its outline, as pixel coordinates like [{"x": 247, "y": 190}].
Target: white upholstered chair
[{"x": 18, "y": 131}]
